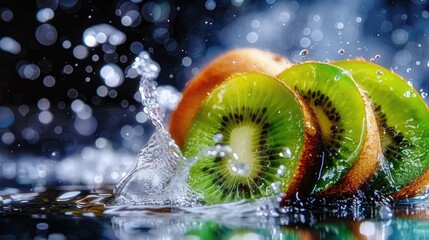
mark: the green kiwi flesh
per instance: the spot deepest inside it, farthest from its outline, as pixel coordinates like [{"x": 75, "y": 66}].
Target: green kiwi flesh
[
  {"x": 264, "y": 123},
  {"x": 403, "y": 119},
  {"x": 340, "y": 110}
]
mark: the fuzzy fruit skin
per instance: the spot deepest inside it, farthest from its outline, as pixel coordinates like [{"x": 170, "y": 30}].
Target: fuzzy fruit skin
[
  {"x": 311, "y": 158},
  {"x": 232, "y": 62},
  {"x": 367, "y": 163}
]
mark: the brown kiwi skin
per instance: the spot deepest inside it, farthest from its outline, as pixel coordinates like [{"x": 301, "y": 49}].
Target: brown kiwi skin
[
  {"x": 415, "y": 188},
  {"x": 311, "y": 159},
  {"x": 367, "y": 163},
  {"x": 235, "y": 61}
]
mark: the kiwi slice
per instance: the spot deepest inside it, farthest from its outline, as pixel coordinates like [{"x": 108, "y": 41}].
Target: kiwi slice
[
  {"x": 403, "y": 119},
  {"x": 232, "y": 62},
  {"x": 270, "y": 129},
  {"x": 349, "y": 130}
]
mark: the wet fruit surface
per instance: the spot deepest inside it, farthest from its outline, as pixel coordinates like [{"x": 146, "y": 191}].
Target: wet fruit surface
[
  {"x": 266, "y": 134},
  {"x": 403, "y": 119},
  {"x": 343, "y": 118}
]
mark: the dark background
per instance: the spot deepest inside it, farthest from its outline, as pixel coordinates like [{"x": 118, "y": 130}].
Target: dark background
[
  {"x": 70, "y": 23},
  {"x": 193, "y": 30}
]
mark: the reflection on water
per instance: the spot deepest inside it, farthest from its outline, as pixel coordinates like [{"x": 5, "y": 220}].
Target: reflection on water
[{"x": 78, "y": 212}]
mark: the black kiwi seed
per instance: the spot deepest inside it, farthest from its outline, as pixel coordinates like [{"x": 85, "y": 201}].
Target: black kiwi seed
[
  {"x": 395, "y": 139},
  {"x": 346, "y": 109},
  {"x": 256, "y": 116},
  {"x": 319, "y": 99}
]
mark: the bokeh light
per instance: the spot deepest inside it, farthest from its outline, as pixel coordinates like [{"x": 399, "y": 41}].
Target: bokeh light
[
  {"x": 45, "y": 14},
  {"x": 6, "y": 117},
  {"x": 8, "y": 44},
  {"x": 46, "y": 34}
]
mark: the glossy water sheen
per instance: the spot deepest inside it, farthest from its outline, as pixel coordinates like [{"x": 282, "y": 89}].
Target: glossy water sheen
[{"x": 75, "y": 212}]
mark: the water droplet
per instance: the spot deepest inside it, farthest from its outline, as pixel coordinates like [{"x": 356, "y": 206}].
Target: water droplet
[
  {"x": 286, "y": 153},
  {"x": 338, "y": 76},
  {"x": 385, "y": 212},
  {"x": 341, "y": 51},
  {"x": 68, "y": 195},
  {"x": 281, "y": 170},
  {"x": 379, "y": 72},
  {"x": 218, "y": 137},
  {"x": 427, "y": 64},
  {"x": 239, "y": 167},
  {"x": 276, "y": 187},
  {"x": 304, "y": 52},
  {"x": 408, "y": 70},
  {"x": 377, "y": 56}
]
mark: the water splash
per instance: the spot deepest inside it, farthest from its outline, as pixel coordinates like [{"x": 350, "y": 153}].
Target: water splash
[
  {"x": 181, "y": 193},
  {"x": 157, "y": 161}
]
